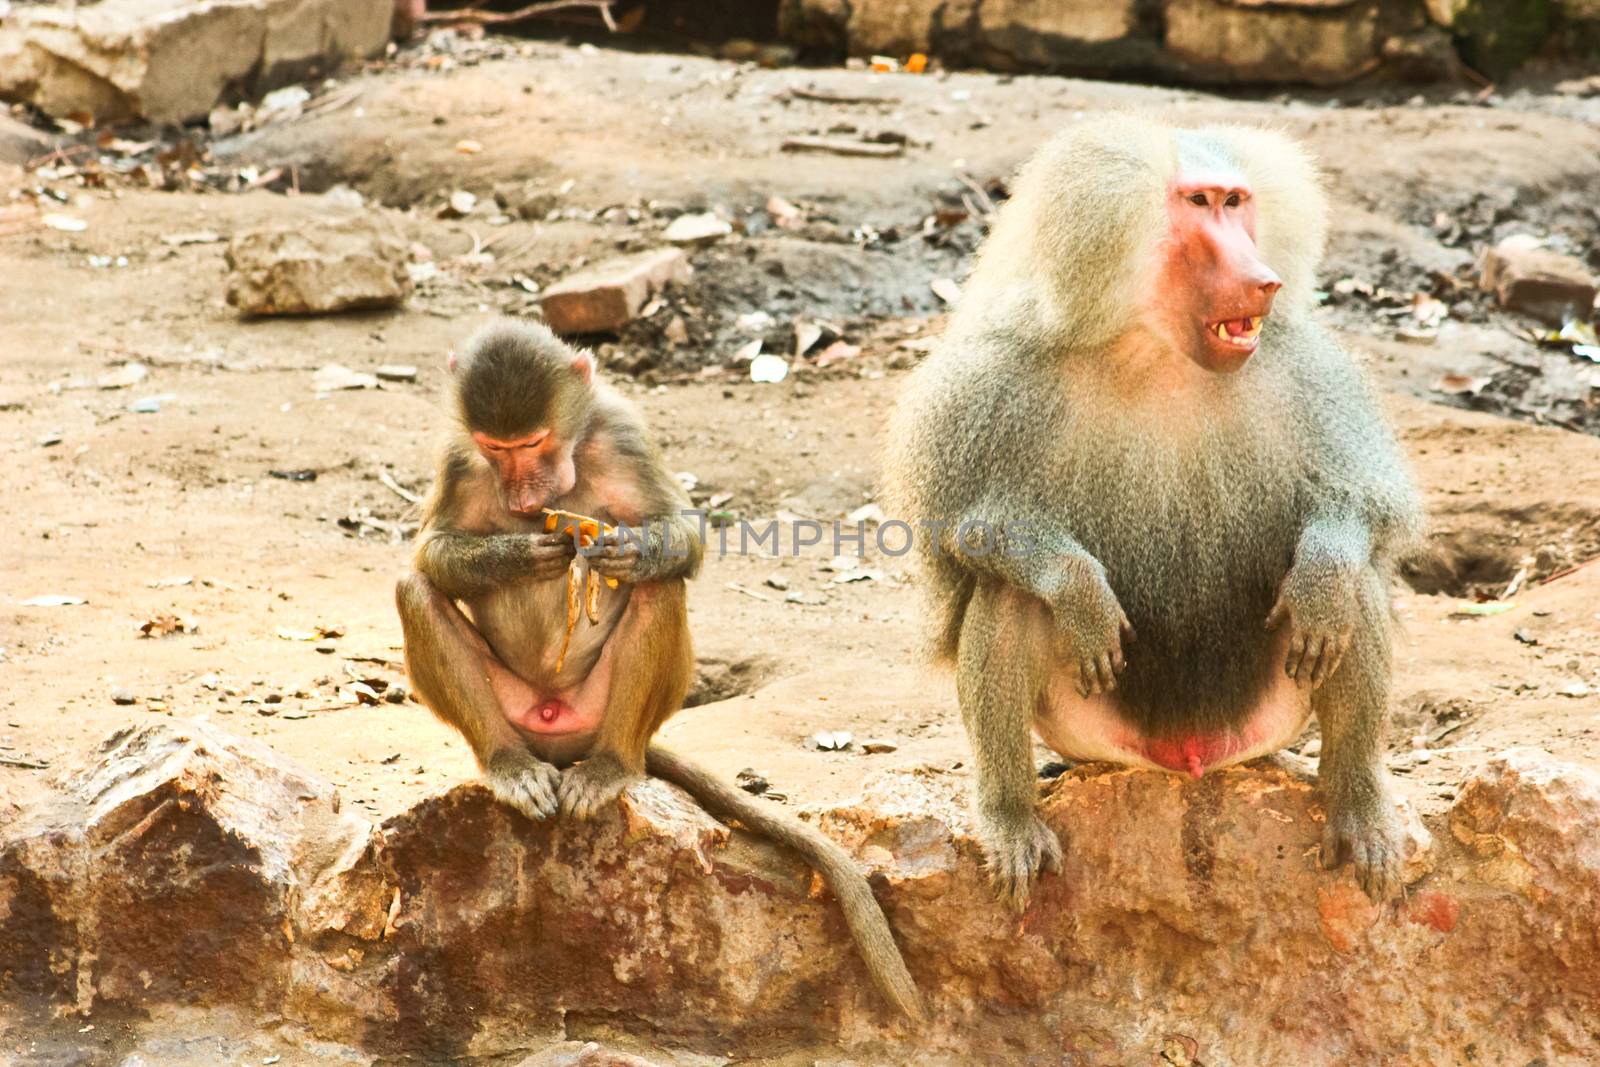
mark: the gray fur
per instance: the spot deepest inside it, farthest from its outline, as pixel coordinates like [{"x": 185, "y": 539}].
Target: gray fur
[{"x": 1037, "y": 415}]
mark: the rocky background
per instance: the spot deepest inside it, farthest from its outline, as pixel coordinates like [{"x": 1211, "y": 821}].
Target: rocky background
[
  {"x": 172, "y": 61},
  {"x": 237, "y": 240}
]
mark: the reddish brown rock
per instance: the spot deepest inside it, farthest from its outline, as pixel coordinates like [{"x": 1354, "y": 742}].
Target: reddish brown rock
[
  {"x": 605, "y": 297},
  {"x": 1526, "y": 277},
  {"x": 1192, "y": 920}
]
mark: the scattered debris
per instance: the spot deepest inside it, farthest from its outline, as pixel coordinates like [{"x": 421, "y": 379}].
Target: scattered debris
[
  {"x": 1575, "y": 689},
  {"x": 839, "y": 147},
  {"x": 1525, "y": 637},
  {"x": 777, "y": 581},
  {"x": 397, "y": 489},
  {"x": 1456, "y": 384},
  {"x": 149, "y": 405},
  {"x": 1493, "y": 607},
  {"x": 50, "y": 439},
  {"x": 870, "y": 513},
  {"x": 335, "y": 377},
  {"x": 751, "y": 781},
  {"x": 317, "y": 634},
  {"x": 53, "y": 601},
  {"x": 460, "y": 204},
  {"x": 130, "y": 373},
  {"x": 832, "y": 740},
  {"x": 65, "y": 223},
  {"x": 945, "y": 289},
  {"x": 301, "y": 474},
  {"x": 878, "y": 745},
  {"x": 167, "y": 625},
  {"x": 198, "y": 237},
  {"x": 123, "y": 696},
  {"x": 702, "y": 229},
  {"x": 768, "y": 368},
  {"x": 830, "y": 96},
  {"x": 396, "y": 372}
]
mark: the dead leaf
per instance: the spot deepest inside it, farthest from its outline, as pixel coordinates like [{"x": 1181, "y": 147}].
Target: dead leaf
[{"x": 166, "y": 625}]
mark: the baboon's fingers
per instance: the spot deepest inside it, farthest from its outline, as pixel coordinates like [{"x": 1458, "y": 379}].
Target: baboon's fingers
[
  {"x": 1276, "y": 615},
  {"x": 1119, "y": 662},
  {"x": 1297, "y": 651},
  {"x": 1107, "y": 672},
  {"x": 1332, "y": 654},
  {"x": 1312, "y": 663},
  {"x": 1087, "y": 679}
]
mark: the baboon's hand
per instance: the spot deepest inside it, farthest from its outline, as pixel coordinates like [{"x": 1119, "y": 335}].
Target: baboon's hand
[
  {"x": 1017, "y": 849},
  {"x": 550, "y": 554},
  {"x": 617, "y": 559},
  {"x": 1319, "y": 600},
  {"x": 1368, "y": 837},
  {"x": 1092, "y": 627},
  {"x": 524, "y": 781},
  {"x": 591, "y": 785}
]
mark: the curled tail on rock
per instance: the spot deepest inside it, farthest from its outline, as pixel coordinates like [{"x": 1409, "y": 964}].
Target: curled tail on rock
[{"x": 861, "y": 911}]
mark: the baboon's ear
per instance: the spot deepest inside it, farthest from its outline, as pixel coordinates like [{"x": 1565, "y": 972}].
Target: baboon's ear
[{"x": 583, "y": 367}]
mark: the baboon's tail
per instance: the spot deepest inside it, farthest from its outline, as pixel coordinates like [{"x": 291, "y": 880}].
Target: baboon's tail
[{"x": 861, "y": 911}]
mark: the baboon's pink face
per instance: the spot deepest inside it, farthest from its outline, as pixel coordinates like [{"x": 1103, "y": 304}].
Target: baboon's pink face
[
  {"x": 531, "y": 470},
  {"x": 1213, "y": 291}
]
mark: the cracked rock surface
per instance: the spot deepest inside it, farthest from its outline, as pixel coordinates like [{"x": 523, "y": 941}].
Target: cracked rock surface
[{"x": 182, "y": 869}]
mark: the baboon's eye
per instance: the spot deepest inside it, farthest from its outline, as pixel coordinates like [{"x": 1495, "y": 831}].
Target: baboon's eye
[
  {"x": 1198, "y": 199},
  {"x": 1232, "y": 201}
]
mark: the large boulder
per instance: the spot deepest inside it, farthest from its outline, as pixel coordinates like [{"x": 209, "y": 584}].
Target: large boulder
[
  {"x": 1318, "y": 42},
  {"x": 174, "y": 60},
  {"x": 1192, "y": 920}
]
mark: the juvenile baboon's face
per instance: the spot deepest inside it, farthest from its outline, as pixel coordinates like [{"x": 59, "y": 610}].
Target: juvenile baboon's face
[
  {"x": 1213, "y": 291},
  {"x": 532, "y": 470}
]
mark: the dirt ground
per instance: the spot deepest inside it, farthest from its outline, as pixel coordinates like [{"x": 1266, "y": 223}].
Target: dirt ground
[{"x": 176, "y": 511}]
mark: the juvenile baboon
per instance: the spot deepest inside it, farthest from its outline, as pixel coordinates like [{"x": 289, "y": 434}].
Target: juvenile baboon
[
  {"x": 1161, "y": 504},
  {"x": 501, "y": 644}
]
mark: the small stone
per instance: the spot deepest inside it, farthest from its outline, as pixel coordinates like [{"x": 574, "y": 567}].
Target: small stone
[
  {"x": 395, "y": 694},
  {"x": 119, "y": 695},
  {"x": 327, "y": 648},
  {"x": 751, "y": 781},
  {"x": 337, "y": 265},
  {"x": 1526, "y": 277},
  {"x": 272, "y": 698},
  {"x": 459, "y": 206},
  {"x": 397, "y": 372},
  {"x": 832, "y": 740},
  {"x": 607, "y": 296},
  {"x": 777, "y": 581},
  {"x": 877, "y": 745},
  {"x": 1525, "y": 637},
  {"x": 701, "y": 229}
]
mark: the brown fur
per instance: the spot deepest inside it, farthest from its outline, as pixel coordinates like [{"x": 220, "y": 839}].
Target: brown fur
[{"x": 485, "y": 607}]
